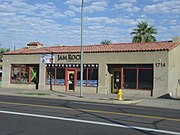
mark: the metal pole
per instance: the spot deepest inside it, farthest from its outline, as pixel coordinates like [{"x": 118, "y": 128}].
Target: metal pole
[
  {"x": 51, "y": 70},
  {"x": 82, "y": 14}
]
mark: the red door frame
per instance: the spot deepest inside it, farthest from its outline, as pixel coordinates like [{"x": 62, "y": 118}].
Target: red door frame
[{"x": 66, "y": 76}]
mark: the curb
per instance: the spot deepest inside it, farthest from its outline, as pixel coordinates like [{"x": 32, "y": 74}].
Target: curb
[
  {"x": 114, "y": 101},
  {"x": 132, "y": 102}
]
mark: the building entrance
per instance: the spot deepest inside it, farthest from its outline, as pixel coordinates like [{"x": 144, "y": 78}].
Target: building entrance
[
  {"x": 132, "y": 76},
  {"x": 116, "y": 81},
  {"x": 70, "y": 80}
]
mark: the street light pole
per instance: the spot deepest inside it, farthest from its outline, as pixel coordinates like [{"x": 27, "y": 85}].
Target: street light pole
[
  {"x": 51, "y": 71},
  {"x": 82, "y": 14}
]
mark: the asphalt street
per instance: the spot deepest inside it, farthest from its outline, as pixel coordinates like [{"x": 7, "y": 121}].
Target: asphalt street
[{"x": 37, "y": 116}]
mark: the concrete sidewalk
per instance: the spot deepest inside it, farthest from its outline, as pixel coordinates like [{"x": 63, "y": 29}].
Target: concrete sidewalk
[{"x": 99, "y": 98}]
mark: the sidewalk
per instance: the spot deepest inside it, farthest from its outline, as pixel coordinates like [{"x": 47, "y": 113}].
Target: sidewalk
[{"x": 99, "y": 98}]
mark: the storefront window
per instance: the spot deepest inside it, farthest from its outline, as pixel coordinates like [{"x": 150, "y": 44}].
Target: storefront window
[
  {"x": 117, "y": 79},
  {"x": 60, "y": 76},
  {"x": 57, "y": 76},
  {"x": 79, "y": 77},
  {"x": 145, "y": 66},
  {"x": 50, "y": 72},
  {"x": 145, "y": 79},
  {"x": 129, "y": 65},
  {"x": 24, "y": 74},
  {"x": 15, "y": 75},
  {"x": 134, "y": 76},
  {"x": 92, "y": 77},
  {"x": 34, "y": 75},
  {"x": 130, "y": 78}
]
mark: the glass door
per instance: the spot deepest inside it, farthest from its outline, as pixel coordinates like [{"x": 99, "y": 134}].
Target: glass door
[
  {"x": 70, "y": 81},
  {"x": 116, "y": 81}
]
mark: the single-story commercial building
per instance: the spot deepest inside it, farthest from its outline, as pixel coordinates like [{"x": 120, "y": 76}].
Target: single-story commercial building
[{"x": 139, "y": 69}]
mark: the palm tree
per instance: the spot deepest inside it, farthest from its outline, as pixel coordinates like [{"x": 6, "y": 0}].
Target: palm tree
[
  {"x": 106, "y": 42},
  {"x": 144, "y": 32}
]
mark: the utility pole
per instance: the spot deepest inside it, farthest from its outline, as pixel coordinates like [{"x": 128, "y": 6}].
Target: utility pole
[{"x": 82, "y": 15}]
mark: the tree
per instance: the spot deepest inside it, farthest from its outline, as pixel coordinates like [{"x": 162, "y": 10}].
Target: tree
[
  {"x": 3, "y": 50},
  {"x": 106, "y": 42},
  {"x": 144, "y": 32}
]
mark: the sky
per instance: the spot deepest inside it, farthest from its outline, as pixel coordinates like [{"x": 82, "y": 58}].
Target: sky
[{"x": 58, "y": 22}]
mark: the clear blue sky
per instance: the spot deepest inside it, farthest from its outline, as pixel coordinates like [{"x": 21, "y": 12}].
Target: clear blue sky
[{"x": 53, "y": 22}]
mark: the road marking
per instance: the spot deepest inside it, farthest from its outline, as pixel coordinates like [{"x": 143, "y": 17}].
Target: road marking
[
  {"x": 91, "y": 122},
  {"x": 94, "y": 111}
]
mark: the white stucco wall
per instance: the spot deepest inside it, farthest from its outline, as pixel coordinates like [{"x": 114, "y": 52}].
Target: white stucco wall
[
  {"x": 103, "y": 59},
  {"x": 174, "y": 72},
  {"x": 17, "y": 59},
  {"x": 160, "y": 73}
]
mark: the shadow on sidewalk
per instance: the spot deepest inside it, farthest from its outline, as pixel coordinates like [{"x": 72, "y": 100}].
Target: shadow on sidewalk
[
  {"x": 66, "y": 93},
  {"x": 167, "y": 96}
]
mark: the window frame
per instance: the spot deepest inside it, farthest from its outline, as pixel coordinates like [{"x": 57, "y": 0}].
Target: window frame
[
  {"x": 55, "y": 76},
  {"x": 20, "y": 66},
  {"x": 138, "y": 78},
  {"x": 136, "y": 67},
  {"x": 86, "y": 72},
  {"x": 76, "y": 77}
]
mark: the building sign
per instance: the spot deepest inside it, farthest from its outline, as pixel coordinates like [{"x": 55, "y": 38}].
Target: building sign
[
  {"x": 160, "y": 65},
  {"x": 47, "y": 58},
  {"x": 69, "y": 57}
]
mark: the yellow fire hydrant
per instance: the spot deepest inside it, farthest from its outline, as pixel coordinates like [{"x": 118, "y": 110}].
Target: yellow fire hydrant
[{"x": 120, "y": 94}]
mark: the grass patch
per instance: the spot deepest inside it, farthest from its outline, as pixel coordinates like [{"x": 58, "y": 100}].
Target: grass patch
[
  {"x": 61, "y": 96},
  {"x": 103, "y": 99},
  {"x": 114, "y": 99},
  {"x": 107, "y": 99},
  {"x": 127, "y": 99},
  {"x": 40, "y": 94}
]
